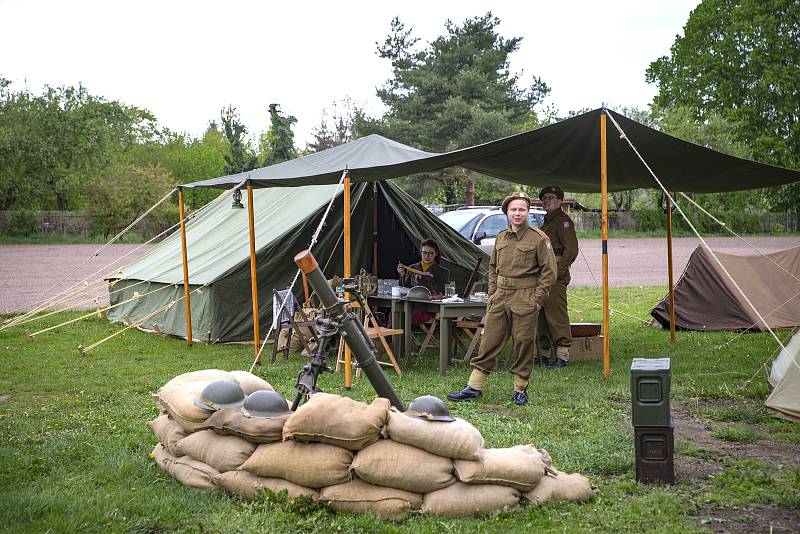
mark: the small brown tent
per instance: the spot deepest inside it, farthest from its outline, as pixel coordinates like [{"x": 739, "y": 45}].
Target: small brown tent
[{"x": 706, "y": 299}]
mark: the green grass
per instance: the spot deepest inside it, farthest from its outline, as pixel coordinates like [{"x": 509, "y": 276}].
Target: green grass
[
  {"x": 737, "y": 434},
  {"x": 74, "y": 440}
]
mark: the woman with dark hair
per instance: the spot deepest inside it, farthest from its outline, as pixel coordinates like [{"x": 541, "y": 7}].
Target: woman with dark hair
[{"x": 428, "y": 272}]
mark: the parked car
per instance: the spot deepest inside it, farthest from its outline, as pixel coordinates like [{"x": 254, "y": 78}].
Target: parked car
[{"x": 481, "y": 224}]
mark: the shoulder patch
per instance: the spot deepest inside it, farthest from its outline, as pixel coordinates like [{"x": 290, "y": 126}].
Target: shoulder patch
[
  {"x": 566, "y": 224},
  {"x": 541, "y": 234}
]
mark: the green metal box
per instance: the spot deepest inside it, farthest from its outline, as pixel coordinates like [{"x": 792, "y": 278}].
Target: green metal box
[
  {"x": 650, "y": 382},
  {"x": 654, "y": 454}
]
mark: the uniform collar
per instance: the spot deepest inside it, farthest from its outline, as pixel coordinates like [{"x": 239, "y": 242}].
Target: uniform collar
[
  {"x": 518, "y": 233},
  {"x": 553, "y": 214}
]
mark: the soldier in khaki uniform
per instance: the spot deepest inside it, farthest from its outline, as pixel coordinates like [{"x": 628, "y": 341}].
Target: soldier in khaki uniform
[
  {"x": 521, "y": 270},
  {"x": 554, "y": 328}
]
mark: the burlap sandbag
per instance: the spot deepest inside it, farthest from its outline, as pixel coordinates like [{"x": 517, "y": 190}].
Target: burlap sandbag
[
  {"x": 232, "y": 422},
  {"x": 314, "y": 465},
  {"x": 359, "y": 497},
  {"x": 340, "y": 421},
  {"x": 161, "y": 456},
  {"x": 168, "y": 432},
  {"x": 223, "y": 453},
  {"x": 252, "y": 486},
  {"x": 204, "y": 375},
  {"x": 178, "y": 400},
  {"x": 395, "y": 465},
  {"x": 574, "y": 487},
  {"x": 192, "y": 473},
  {"x": 520, "y": 467},
  {"x": 250, "y": 382},
  {"x": 456, "y": 439},
  {"x": 464, "y": 500}
]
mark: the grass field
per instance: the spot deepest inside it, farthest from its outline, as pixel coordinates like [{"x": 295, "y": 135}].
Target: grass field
[{"x": 74, "y": 440}]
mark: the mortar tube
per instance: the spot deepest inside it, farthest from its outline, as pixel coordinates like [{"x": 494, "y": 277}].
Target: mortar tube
[{"x": 350, "y": 329}]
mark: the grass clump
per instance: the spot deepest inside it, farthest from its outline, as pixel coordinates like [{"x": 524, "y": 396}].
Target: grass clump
[{"x": 737, "y": 434}]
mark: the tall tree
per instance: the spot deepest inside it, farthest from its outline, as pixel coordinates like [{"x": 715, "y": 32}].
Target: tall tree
[
  {"x": 456, "y": 92},
  {"x": 241, "y": 157},
  {"x": 337, "y": 126},
  {"x": 277, "y": 143},
  {"x": 741, "y": 60}
]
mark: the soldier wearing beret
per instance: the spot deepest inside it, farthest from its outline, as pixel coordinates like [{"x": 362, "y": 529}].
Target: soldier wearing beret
[
  {"x": 554, "y": 328},
  {"x": 521, "y": 270}
]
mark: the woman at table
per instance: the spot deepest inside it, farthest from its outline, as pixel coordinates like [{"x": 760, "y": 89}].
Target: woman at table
[{"x": 428, "y": 272}]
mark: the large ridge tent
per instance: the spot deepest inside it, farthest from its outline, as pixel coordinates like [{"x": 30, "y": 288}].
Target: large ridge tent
[
  {"x": 784, "y": 401},
  {"x": 705, "y": 298},
  {"x": 286, "y": 218}
]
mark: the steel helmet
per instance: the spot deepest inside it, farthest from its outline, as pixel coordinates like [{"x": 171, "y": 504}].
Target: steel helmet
[
  {"x": 220, "y": 394},
  {"x": 265, "y": 403},
  {"x": 429, "y": 408}
]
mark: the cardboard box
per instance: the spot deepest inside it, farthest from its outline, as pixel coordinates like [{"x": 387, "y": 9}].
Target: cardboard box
[{"x": 586, "y": 348}]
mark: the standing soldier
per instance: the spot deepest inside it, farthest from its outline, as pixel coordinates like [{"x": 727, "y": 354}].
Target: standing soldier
[
  {"x": 554, "y": 329},
  {"x": 521, "y": 271}
]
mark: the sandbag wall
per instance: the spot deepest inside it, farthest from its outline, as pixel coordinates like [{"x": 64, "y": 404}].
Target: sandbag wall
[{"x": 349, "y": 455}]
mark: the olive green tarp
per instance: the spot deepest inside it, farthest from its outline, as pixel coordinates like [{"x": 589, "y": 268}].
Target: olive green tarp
[
  {"x": 566, "y": 153},
  {"x": 218, "y": 250}
]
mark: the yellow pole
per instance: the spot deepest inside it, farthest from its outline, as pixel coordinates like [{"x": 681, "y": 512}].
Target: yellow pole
[
  {"x": 604, "y": 219},
  {"x": 253, "y": 276},
  {"x": 348, "y": 379},
  {"x": 185, "y": 269},
  {"x": 669, "y": 269}
]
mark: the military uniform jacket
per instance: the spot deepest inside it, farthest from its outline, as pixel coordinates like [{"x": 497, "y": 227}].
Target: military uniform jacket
[
  {"x": 523, "y": 255},
  {"x": 435, "y": 283},
  {"x": 561, "y": 230}
]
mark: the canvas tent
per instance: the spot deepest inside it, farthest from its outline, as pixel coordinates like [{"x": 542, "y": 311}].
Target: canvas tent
[
  {"x": 784, "y": 401},
  {"x": 286, "y": 218},
  {"x": 705, "y": 298}
]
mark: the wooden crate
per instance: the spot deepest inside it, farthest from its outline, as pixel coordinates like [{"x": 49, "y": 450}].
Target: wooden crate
[
  {"x": 585, "y": 329},
  {"x": 586, "y": 348}
]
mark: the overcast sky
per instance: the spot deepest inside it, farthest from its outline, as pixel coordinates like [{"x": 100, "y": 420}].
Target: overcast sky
[{"x": 185, "y": 60}]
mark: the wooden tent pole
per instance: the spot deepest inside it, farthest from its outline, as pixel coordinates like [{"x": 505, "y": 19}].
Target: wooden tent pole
[
  {"x": 375, "y": 228},
  {"x": 604, "y": 225},
  {"x": 669, "y": 270},
  {"x": 348, "y": 378},
  {"x": 253, "y": 275},
  {"x": 185, "y": 268}
]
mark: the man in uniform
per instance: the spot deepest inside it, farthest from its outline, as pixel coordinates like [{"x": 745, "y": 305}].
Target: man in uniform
[
  {"x": 521, "y": 270},
  {"x": 554, "y": 329}
]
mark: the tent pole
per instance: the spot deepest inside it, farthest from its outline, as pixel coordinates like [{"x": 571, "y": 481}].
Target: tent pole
[
  {"x": 253, "y": 281},
  {"x": 348, "y": 379},
  {"x": 185, "y": 269},
  {"x": 604, "y": 225},
  {"x": 669, "y": 270},
  {"x": 375, "y": 228}
]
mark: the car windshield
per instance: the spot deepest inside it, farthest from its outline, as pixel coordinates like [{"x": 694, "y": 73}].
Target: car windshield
[
  {"x": 535, "y": 220},
  {"x": 463, "y": 221}
]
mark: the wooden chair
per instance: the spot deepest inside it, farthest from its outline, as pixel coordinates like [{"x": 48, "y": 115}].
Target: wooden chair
[
  {"x": 286, "y": 321},
  {"x": 473, "y": 329},
  {"x": 428, "y": 339},
  {"x": 374, "y": 331}
]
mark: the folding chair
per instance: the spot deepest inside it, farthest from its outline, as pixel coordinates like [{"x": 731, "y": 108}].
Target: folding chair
[
  {"x": 473, "y": 330},
  {"x": 374, "y": 331},
  {"x": 286, "y": 321}
]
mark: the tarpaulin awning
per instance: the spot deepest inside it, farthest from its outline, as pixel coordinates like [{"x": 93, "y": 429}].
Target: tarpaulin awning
[{"x": 566, "y": 153}]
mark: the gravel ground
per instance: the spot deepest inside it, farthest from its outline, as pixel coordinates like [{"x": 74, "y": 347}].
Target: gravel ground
[{"x": 30, "y": 273}]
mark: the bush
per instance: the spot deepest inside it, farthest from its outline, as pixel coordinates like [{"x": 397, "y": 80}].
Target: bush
[{"x": 22, "y": 224}]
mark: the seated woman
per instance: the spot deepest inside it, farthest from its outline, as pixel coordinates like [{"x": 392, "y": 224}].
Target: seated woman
[{"x": 429, "y": 272}]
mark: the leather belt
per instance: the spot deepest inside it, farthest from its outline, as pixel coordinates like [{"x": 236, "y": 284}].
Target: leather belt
[{"x": 516, "y": 283}]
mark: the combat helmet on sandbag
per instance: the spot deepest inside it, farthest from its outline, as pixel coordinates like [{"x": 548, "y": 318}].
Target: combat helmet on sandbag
[
  {"x": 266, "y": 404},
  {"x": 220, "y": 394},
  {"x": 429, "y": 408}
]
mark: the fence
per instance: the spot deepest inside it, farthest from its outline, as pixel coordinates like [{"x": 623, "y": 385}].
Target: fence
[{"x": 66, "y": 223}]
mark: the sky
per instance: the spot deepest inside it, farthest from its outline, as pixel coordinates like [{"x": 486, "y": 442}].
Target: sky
[{"x": 186, "y": 60}]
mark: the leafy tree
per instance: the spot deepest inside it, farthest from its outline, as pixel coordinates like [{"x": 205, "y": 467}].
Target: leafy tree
[
  {"x": 277, "y": 143},
  {"x": 344, "y": 117},
  {"x": 241, "y": 157},
  {"x": 456, "y": 92},
  {"x": 740, "y": 59}
]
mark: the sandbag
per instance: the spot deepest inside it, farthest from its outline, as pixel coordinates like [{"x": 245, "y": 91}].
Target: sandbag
[
  {"x": 204, "y": 375},
  {"x": 161, "y": 456},
  {"x": 337, "y": 420},
  {"x": 395, "y": 465},
  {"x": 250, "y": 382},
  {"x": 314, "y": 465},
  {"x": 358, "y": 496},
  {"x": 178, "y": 400},
  {"x": 223, "y": 453},
  {"x": 520, "y": 467},
  {"x": 464, "y": 500},
  {"x": 169, "y": 432},
  {"x": 574, "y": 487},
  {"x": 187, "y": 425},
  {"x": 456, "y": 439},
  {"x": 192, "y": 473},
  {"x": 252, "y": 486},
  {"x": 232, "y": 422}
]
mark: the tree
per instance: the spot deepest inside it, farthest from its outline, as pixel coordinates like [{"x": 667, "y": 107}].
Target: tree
[
  {"x": 241, "y": 157},
  {"x": 740, "y": 59},
  {"x": 455, "y": 93},
  {"x": 344, "y": 117},
  {"x": 277, "y": 143}
]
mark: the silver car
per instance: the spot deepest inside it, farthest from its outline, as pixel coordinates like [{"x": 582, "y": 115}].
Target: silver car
[{"x": 481, "y": 224}]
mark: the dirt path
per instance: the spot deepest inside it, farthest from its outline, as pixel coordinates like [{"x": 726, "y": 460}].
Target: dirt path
[{"x": 30, "y": 273}]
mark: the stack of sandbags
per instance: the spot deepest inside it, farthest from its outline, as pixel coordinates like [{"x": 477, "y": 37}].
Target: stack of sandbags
[{"x": 365, "y": 458}]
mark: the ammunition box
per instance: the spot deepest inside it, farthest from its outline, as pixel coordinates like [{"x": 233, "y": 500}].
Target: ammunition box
[
  {"x": 650, "y": 384},
  {"x": 654, "y": 454}
]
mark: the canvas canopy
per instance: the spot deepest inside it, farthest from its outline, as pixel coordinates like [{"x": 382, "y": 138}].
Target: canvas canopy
[
  {"x": 706, "y": 299},
  {"x": 566, "y": 153},
  {"x": 784, "y": 401},
  {"x": 285, "y": 219}
]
